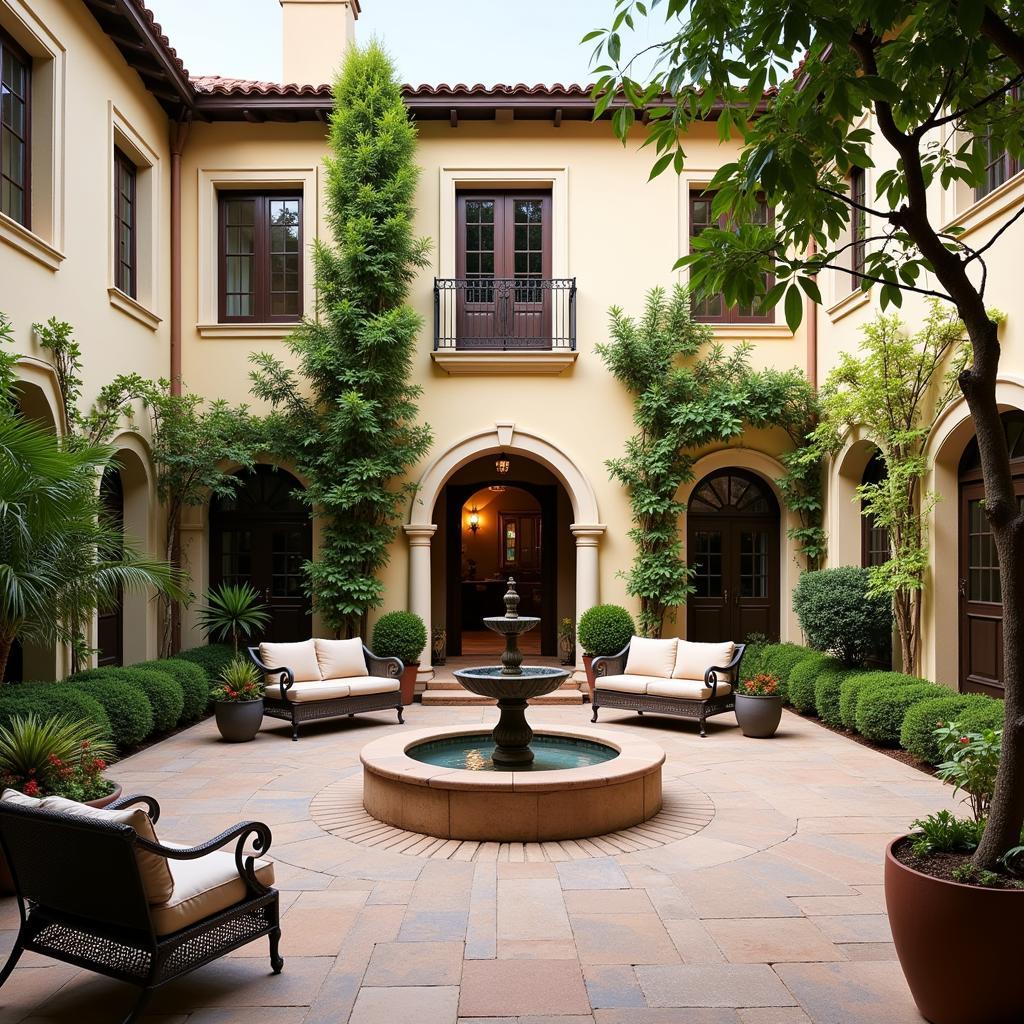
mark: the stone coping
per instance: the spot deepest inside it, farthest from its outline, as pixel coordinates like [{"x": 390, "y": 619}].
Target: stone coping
[{"x": 636, "y": 759}]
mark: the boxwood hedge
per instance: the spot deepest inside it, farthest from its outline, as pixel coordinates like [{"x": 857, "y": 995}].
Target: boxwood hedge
[
  {"x": 779, "y": 660},
  {"x": 163, "y": 690},
  {"x": 803, "y": 678},
  {"x": 920, "y": 722},
  {"x": 191, "y": 677},
  {"x": 881, "y": 709},
  {"x": 48, "y": 700},
  {"x": 211, "y": 658},
  {"x": 126, "y": 705},
  {"x": 827, "y": 690},
  {"x": 852, "y": 687}
]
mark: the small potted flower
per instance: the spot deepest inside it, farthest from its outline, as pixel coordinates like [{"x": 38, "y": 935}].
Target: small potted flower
[
  {"x": 238, "y": 702},
  {"x": 604, "y": 630},
  {"x": 401, "y": 635},
  {"x": 759, "y": 706}
]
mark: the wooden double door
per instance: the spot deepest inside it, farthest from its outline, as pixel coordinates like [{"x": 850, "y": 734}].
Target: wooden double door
[
  {"x": 263, "y": 536},
  {"x": 733, "y": 547},
  {"x": 981, "y": 607}
]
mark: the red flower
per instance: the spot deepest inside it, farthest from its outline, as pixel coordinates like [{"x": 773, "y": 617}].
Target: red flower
[
  {"x": 99, "y": 764},
  {"x": 86, "y": 744},
  {"x": 31, "y": 788},
  {"x": 965, "y": 739}
]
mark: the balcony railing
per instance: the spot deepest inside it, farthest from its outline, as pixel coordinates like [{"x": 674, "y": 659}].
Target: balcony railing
[{"x": 503, "y": 313}]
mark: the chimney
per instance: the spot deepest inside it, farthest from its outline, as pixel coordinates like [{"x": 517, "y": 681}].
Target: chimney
[{"x": 316, "y": 35}]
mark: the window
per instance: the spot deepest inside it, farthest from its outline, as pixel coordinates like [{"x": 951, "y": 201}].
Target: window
[
  {"x": 999, "y": 165},
  {"x": 125, "y": 225},
  {"x": 712, "y": 308},
  {"x": 260, "y": 257},
  {"x": 875, "y": 548},
  {"x": 15, "y": 151},
  {"x": 858, "y": 226}
]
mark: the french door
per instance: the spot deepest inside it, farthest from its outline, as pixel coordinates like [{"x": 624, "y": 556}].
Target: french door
[{"x": 503, "y": 259}]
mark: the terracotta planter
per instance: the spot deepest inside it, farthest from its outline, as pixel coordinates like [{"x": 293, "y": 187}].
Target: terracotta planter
[
  {"x": 238, "y": 720},
  {"x": 408, "y": 683},
  {"x": 758, "y": 717},
  {"x": 958, "y": 945},
  {"x": 7, "y": 883},
  {"x": 588, "y": 662}
]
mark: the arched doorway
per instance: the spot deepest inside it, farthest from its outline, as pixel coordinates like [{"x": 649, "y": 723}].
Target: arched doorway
[
  {"x": 981, "y": 609},
  {"x": 110, "y": 620},
  {"x": 262, "y": 535},
  {"x": 733, "y": 524}
]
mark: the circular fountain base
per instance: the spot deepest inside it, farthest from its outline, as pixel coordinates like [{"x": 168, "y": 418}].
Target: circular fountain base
[{"x": 621, "y": 788}]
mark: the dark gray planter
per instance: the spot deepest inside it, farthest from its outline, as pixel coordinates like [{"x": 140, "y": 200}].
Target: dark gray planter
[
  {"x": 758, "y": 717},
  {"x": 238, "y": 720}
]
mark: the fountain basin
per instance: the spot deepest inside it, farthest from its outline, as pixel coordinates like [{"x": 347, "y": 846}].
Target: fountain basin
[{"x": 517, "y": 805}]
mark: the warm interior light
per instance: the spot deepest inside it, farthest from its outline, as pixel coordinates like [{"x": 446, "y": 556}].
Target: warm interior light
[
  {"x": 502, "y": 464},
  {"x": 474, "y": 519}
]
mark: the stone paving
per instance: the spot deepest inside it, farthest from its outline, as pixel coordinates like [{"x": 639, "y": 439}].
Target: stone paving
[{"x": 771, "y": 914}]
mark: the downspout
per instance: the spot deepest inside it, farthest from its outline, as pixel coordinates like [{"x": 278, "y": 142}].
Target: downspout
[{"x": 811, "y": 318}]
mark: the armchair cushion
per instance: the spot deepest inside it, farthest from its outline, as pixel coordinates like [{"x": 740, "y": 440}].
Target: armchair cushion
[
  {"x": 14, "y": 796},
  {"x": 299, "y": 657},
  {"x": 624, "y": 683},
  {"x": 340, "y": 659},
  {"x": 325, "y": 689},
  {"x": 157, "y": 882},
  {"x": 651, "y": 657},
  {"x": 685, "y": 689},
  {"x": 204, "y": 886},
  {"x": 372, "y": 684},
  {"x": 694, "y": 659}
]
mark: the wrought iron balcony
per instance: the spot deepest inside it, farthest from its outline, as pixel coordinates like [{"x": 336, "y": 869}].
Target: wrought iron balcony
[{"x": 505, "y": 314}]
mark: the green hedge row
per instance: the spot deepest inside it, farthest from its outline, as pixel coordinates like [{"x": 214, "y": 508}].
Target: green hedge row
[
  {"x": 889, "y": 708},
  {"x": 129, "y": 704}
]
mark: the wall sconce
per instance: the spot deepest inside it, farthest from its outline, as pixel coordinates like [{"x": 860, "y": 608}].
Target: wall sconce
[
  {"x": 474, "y": 519},
  {"x": 502, "y": 464}
]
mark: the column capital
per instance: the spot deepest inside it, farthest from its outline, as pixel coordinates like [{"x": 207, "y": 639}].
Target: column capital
[
  {"x": 587, "y": 533},
  {"x": 419, "y": 534}
]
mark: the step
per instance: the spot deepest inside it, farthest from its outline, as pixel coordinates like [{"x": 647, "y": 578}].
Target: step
[
  {"x": 453, "y": 684},
  {"x": 452, "y": 698}
]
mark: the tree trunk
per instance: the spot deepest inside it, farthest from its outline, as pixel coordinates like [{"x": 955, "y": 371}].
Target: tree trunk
[{"x": 6, "y": 643}]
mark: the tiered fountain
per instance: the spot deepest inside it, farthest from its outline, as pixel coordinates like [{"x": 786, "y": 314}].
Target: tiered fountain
[{"x": 512, "y": 784}]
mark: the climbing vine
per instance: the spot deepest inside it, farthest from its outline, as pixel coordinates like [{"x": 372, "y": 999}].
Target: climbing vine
[{"x": 689, "y": 392}]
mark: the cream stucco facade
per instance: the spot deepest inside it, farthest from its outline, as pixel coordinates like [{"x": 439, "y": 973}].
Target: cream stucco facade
[{"x": 557, "y": 416}]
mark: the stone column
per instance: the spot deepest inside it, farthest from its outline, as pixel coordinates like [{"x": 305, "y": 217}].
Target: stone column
[
  {"x": 588, "y": 589},
  {"x": 419, "y": 586}
]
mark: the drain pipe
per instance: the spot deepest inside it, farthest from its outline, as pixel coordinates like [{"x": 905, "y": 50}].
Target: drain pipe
[
  {"x": 811, "y": 319},
  {"x": 179, "y": 137}
]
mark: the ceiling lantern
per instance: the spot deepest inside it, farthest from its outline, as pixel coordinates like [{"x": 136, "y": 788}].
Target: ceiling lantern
[{"x": 502, "y": 464}]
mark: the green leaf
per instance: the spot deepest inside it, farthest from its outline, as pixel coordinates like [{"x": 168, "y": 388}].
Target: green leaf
[
  {"x": 794, "y": 308},
  {"x": 660, "y": 164},
  {"x": 810, "y": 287}
]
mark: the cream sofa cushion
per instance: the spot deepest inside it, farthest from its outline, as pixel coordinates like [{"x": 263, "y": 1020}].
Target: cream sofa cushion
[
  {"x": 685, "y": 689},
  {"x": 14, "y": 796},
  {"x": 299, "y": 657},
  {"x": 651, "y": 657},
  {"x": 341, "y": 659},
  {"x": 325, "y": 689},
  {"x": 624, "y": 683},
  {"x": 203, "y": 887},
  {"x": 694, "y": 659},
  {"x": 372, "y": 684},
  {"x": 157, "y": 882}
]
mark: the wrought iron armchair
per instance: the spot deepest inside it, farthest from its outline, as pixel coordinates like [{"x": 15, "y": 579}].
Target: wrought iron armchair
[{"x": 81, "y": 897}]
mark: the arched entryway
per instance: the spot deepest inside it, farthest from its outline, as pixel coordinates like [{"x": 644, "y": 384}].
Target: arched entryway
[
  {"x": 263, "y": 535},
  {"x": 110, "y": 620},
  {"x": 981, "y": 610},
  {"x": 733, "y": 525}
]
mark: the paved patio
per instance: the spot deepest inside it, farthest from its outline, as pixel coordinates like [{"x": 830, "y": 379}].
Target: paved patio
[{"x": 771, "y": 913}]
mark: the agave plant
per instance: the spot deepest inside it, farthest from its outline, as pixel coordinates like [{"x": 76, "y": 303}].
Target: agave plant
[
  {"x": 238, "y": 681},
  {"x": 232, "y": 610},
  {"x": 54, "y": 755}
]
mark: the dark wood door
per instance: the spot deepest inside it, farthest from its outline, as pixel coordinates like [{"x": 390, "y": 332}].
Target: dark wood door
[
  {"x": 263, "y": 536},
  {"x": 110, "y": 620},
  {"x": 504, "y": 256},
  {"x": 733, "y": 544}
]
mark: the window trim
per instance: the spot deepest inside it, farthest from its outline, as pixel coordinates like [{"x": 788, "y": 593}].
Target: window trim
[
  {"x": 123, "y": 162},
  {"x": 729, "y": 315},
  {"x": 261, "y": 254},
  {"x": 7, "y": 42},
  {"x": 858, "y": 225},
  {"x": 1012, "y": 165}
]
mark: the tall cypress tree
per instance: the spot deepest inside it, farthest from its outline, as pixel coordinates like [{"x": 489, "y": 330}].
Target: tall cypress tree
[{"x": 348, "y": 419}]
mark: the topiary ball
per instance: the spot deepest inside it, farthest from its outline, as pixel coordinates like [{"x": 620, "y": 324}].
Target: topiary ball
[
  {"x": 399, "y": 635},
  {"x": 839, "y": 616},
  {"x": 194, "y": 686},
  {"x": 605, "y": 629}
]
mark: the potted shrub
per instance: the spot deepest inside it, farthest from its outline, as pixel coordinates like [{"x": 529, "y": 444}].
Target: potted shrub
[
  {"x": 604, "y": 630},
  {"x": 759, "y": 706},
  {"x": 58, "y": 756},
  {"x": 238, "y": 702},
  {"x": 943, "y": 910},
  {"x": 401, "y": 635}
]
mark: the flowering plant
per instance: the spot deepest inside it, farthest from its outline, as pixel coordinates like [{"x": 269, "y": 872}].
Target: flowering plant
[
  {"x": 762, "y": 685},
  {"x": 970, "y": 762},
  {"x": 54, "y": 757},
  {"x": 238, "y": 682}
]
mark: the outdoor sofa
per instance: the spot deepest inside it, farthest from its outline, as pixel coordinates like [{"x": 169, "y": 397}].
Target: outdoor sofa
[
  {"x": 97, "y": 889},
  {"x": 316, "y": 679},
  {"x": 669, "y": 677}
]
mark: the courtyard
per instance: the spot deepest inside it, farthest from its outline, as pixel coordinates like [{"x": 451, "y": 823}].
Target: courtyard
[{"x": 754, "y": 897}]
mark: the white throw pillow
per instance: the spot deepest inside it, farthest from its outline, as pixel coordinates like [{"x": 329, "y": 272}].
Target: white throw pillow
[
  {"x": 299, "y": 657},
  {"x": 694, "y": 659},
  {"x": 651, "y": 657},
  {"x": 14, "y": 796},
  {"x": 341, "y": 659}
]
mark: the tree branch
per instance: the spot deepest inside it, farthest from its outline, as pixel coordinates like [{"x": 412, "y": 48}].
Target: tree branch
[
  {"x": 1003, "y": 37},
  {"x": 959, "y": 114},
  {"x": 976, "y": 253},
  {"x": 843, "y": 197}
]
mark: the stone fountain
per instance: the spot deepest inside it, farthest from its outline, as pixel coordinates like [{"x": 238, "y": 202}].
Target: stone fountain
[{"x": 512, "y": 685}]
